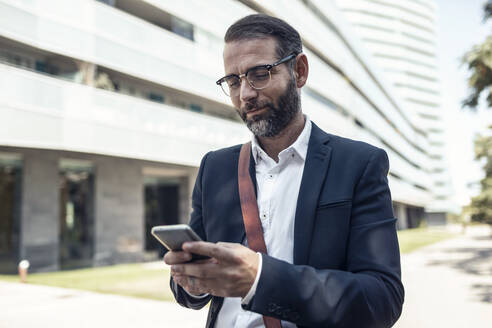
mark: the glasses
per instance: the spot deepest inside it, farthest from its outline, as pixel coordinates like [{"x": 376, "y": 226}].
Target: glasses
[{"x": 258, "y": 77}]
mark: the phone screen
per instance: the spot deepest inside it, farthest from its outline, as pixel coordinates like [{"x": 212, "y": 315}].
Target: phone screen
[{"x": 173, "y": 237}]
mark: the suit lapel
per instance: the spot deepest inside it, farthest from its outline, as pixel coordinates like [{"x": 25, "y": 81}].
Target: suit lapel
[{"x": 315, "y": 169}]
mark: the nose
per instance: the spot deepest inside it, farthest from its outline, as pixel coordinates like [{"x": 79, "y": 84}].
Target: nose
[{"x": 246, "y": 92}]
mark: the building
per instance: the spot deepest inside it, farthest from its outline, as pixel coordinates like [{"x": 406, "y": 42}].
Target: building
[
  {"x": 107, "y": 108},
  {"x": 401, "y": 35}
]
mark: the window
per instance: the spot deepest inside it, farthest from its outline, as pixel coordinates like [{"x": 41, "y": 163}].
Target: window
[
  {"x": 10, "y": 206},
  {"x": 157, "y": 97},
  {"x": 76, "y": 229},
  {"x": 196, "y": 108},
  {"x": 40, "y": 66},
  {"x": 182, "y": 28},
  {"x": 162, "y": 198},
  {"x": 108, "y": 2}
]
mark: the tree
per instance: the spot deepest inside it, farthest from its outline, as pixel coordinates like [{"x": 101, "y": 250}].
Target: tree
[
  {"x": 481, "y": 205},
  {"x": 488, "y": 10},
  {"x": 479, "y": 62}
]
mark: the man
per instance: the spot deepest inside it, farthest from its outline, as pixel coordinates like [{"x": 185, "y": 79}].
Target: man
[{"x": 324, "y": 204}]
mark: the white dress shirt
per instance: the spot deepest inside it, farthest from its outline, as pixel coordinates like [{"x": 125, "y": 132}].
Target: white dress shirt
[{"x": 278, "y": 188}]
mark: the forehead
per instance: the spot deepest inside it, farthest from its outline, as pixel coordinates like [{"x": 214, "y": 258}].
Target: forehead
[{"x": 241, "y": 55}]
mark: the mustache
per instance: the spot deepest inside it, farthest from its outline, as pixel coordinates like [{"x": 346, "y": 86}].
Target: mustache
[{"x": 252, "y": 106}]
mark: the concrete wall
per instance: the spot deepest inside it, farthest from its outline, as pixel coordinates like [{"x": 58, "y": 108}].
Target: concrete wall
[
  {"x": 185, "y": 194},
  {"x": 119, "y": 211},
  {"x": 401, "y": 215},
  {"x": 436, "y": 219},
  {"x": 40, "y": 210},
  {"x": 119, "y": 225}
]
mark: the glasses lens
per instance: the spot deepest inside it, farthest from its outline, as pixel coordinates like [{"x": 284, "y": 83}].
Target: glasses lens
[
  {"x": 259, "y": 77},
  {"x": 230, "y": 85}
]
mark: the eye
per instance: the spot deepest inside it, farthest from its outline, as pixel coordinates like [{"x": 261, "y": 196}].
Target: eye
[
  {"x": 259, "y": 74},
  {"x": 232, "y": 82}
]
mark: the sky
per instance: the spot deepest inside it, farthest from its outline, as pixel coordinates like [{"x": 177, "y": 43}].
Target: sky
[{"x": 461, "y": 26}]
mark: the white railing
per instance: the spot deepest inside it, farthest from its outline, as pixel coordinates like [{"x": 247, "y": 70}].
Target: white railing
[
  {"x": 327, "y": 42},
  {"x": 140, "y": 49},
  {"x": 404, "y": 193},
  {"x": 398, "y": 165},
  {"x": 389, "y": 10},
  {"x": 94, "y": 32},
  {"x": 394, "y": 38},
  {"x": 391, "y": 24},
  {"x": 44, "y": 112}
]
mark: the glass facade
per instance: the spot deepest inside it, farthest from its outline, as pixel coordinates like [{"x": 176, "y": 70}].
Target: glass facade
[
  {"x": 161, "y": 207},
  {"x": 76, "y": 234},
  {"x": 10, "y": 205}
]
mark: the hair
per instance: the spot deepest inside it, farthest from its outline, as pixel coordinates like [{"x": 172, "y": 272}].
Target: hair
[{"x": 261, "y": 26}]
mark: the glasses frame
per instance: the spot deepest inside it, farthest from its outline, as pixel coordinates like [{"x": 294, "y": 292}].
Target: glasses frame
[{"x": 268, "y": 67}]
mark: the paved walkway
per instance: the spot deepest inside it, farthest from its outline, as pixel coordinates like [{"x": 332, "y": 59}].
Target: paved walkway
[
  {"x": 27, "y": 306},
  {"x": 448, "y": 284}
]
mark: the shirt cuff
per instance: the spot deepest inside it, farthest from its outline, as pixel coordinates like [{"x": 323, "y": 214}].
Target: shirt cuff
[{"x": 252, "y": 290}]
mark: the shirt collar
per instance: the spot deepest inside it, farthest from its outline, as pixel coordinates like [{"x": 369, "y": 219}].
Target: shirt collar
[{"x": 300, "y": 146}]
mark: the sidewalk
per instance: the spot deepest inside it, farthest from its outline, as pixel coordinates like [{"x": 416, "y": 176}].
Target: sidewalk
[
  {"x": 449, "y": 284},
  {"x": 26, "y": 306}
]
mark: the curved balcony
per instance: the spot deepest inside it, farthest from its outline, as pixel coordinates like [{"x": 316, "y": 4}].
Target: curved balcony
[
  {"x": 391, "y": 24},
  {"x": 68, "y": 116},
  {"x": 397, "y": 51},
  {"x": 116, "y": 40},
  {"x": 326, "y": 41},
  {"x": 388, "y": 12}
]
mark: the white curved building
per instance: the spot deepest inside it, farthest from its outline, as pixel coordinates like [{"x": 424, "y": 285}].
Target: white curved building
[
  {"x": 401, "y": 35},
  {"x": 108, "y": 106}
]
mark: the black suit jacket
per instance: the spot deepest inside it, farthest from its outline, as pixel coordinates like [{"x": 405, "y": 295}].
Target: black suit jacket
[{"x": 346, "y": 270}]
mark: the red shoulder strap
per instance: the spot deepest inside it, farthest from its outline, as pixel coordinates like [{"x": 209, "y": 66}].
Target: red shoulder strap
[{"x": 251, "y": 217}]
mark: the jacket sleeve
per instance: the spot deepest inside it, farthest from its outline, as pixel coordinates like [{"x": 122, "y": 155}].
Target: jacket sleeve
[
  {"x": 369, "y": 293},
  {"x": 196, "y": 223}
]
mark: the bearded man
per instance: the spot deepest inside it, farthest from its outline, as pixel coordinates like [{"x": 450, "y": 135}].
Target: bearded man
[{"x": 332, "y": 256}]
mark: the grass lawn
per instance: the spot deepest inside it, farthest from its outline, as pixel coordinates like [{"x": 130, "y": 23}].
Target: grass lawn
[
  {"x": 138, "y": 280},
  {"x": 152, "y": 280},
  {"x": 412, "y": 239}
]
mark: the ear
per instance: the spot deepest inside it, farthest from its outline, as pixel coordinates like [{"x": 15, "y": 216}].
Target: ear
[{"x": 301, "y": 70}]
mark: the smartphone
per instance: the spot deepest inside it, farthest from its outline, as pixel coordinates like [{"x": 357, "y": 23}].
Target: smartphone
[{"x": 173, "y": 237}]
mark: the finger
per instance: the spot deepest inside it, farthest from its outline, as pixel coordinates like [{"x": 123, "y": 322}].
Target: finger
[
  {"x": 227, "y": 245},
  {"x": 209, "y": 249},
  {"x": 192, "y": 285},
  {"x": 211, "y": 260},
  {"x": 176, "y": 257},
  {"x": 202, "y": 270}
]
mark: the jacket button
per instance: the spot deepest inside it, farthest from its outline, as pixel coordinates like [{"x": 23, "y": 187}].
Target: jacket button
[
  {"x": 286, "y": 313},
  {"x": 293, "y": 316}
]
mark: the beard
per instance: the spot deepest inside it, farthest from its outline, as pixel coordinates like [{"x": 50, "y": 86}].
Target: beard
[{"x": 274, "y": 118}]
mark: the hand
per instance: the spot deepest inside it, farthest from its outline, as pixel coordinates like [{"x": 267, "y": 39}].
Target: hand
[
  {"x": 230, "y": 272},
  {"x": 177, "y": 257}
]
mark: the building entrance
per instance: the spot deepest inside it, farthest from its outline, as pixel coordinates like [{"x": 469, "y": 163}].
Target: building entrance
[
  {"x": 10, "y": 203},
  {"x": 161, "y": 207},
  {"x": 76, "y": 214}
]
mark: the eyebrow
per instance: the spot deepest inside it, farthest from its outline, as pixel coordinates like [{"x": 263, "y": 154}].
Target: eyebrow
[{"x": 252, "y": 67}]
